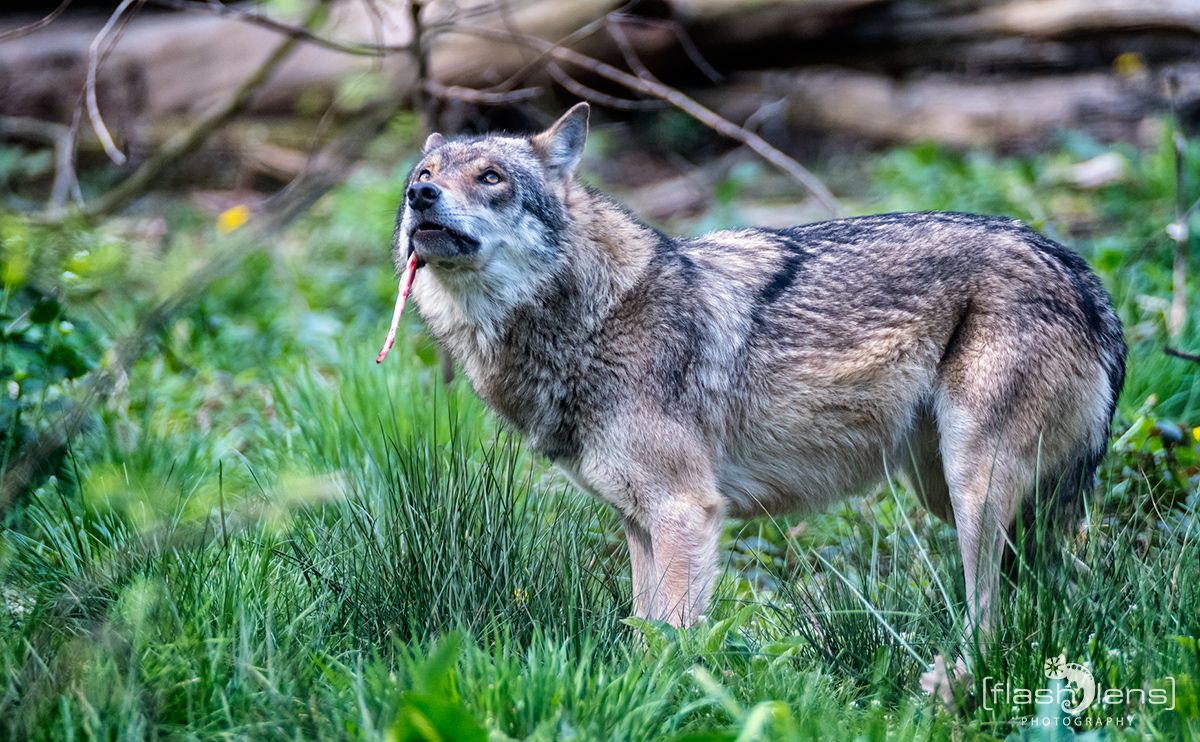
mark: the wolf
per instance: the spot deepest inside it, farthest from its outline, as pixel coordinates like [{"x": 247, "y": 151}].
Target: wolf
[{"x": 760, "y": 371}]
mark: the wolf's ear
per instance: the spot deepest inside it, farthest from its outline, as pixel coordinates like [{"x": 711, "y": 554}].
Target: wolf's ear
[
  {"x": 562, "y": 144},
  {"x": 434, "y": 141}
]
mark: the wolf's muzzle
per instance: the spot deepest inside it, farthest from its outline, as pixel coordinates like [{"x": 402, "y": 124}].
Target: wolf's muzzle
[{"x": 434, "y": 241}]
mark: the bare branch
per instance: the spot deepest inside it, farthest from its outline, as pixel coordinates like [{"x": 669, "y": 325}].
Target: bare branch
[
  {"x": 93, "y": 106},
  {"x": 574, "y": 37},
  {"x": 480, "y": 97},
  {"x": 376, "y": 21},
  {"x": 36, "y": 26},
  {"x": 764, "y": 112},
  {"x": 676, "y": 98},
  {"x": 628, "y": 53},
  {"x": 309, "y": 36},
  {"x": 1178, "y": 230}
]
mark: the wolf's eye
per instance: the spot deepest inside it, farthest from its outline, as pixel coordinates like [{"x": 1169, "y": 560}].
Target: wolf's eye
[
  {"x": 491, "y": 177},
  {"x": 424, "y": 175}
]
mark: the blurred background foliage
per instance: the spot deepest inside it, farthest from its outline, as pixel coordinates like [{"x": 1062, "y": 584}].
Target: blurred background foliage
[{"x": 256, "y": 532}]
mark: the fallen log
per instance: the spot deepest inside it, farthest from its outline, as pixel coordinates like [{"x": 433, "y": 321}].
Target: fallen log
[
  {"x": 954, "y": 111},
  {"x": 906, "y": 36},
  {"x": 1058, "y": 18}
]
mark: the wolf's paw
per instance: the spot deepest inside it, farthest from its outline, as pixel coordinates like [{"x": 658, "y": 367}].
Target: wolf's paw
[{"x": 946, "y": 683}]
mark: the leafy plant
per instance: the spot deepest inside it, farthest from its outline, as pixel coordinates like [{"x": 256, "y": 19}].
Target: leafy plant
[{"x": 42, "y": 350}]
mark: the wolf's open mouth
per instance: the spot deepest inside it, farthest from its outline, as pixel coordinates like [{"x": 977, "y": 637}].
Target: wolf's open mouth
[{"x": 428, "y": 229}]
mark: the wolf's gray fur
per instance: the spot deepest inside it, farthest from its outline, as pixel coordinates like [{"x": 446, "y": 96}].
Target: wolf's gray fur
[{"x": 759, "y": 371}]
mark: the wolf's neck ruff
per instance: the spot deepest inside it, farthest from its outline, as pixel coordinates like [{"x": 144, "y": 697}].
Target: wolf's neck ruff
[{"x": 529, "y": 338}]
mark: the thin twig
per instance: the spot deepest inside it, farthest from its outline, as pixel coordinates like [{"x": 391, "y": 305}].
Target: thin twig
[
  {"x": 504, "y": 11},
  {"x": 1193, "y": 357},
  {"x": 480, "y": 97},
  {"x": 574, "y": 37},
  {"x": 93, "y": 105},
  {"x": 80, "y": 102},
  {"x": 38, "y": 25},
  {"x": 1178, "y": 230},
  {"x": 676, "y": 98},
  {"x": 628, "y": 53},
  {"x": 764, "y": 112},
  {"x": 685, "y": 42},
  {"x": 580, "y": 90},
  {"x": 361, "y": 49},
  {"x": 376, "y": 25}
]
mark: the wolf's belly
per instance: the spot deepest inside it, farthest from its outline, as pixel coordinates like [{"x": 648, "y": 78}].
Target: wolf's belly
[
  {"x": 777, "y": 471},
  {"x": 753, "y": 487}
]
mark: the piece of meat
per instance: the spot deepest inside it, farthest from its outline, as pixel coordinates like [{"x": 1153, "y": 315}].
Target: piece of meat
[{"x": 406, "y": 282}]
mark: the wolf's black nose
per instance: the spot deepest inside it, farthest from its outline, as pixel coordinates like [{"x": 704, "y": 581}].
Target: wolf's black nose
[{"x": 423, "y": 195}]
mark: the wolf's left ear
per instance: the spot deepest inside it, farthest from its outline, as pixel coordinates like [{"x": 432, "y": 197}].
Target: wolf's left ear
[
  {"x": 434, "y": 141},
  {"x": 562, "y": 144}
]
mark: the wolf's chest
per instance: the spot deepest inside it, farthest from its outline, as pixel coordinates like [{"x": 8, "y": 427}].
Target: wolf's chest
[{"x": 542, "y": 406}]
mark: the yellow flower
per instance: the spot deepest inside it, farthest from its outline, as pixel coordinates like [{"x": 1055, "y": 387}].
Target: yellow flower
[
  {"x": 1129, "y": 64},
  {"x": 1196, "y": 433},
  {"x": 232, "y": 218},
  {"x": 520, "y": 596}
]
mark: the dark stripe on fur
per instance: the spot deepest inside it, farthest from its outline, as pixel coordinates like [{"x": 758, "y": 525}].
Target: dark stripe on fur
[{"x": 679, "y": 317}]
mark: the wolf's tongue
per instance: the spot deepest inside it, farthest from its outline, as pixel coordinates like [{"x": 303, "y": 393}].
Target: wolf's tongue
[{"x": 406, "y": 282}]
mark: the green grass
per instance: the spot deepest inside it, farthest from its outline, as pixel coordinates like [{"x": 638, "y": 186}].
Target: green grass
[{"x": 267, "y": 536}]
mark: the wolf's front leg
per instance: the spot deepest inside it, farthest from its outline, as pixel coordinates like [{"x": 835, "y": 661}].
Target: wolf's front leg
[
  {"x": 641, "y": 561},
  {"x": 659, "y": 474},
  {"x": 684, "y": 536}
]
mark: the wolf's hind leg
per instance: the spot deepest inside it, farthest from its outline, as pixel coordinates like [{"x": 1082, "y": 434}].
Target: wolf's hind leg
[
  {"x": 985, "y": 480},
  {"x": 985, "y": 415},
  {"x": 1006, "y": 434},
  {"x": 926, "y": 471},
  {"x": 1018, "y": 411}
]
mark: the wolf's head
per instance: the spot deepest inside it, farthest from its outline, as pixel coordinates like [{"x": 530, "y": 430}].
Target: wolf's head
[{"x": 492, "y": 203}]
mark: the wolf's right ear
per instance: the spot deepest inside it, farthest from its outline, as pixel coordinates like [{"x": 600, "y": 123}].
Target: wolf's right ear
[
  {"x": 561, "y": 145},
  {"x": 434, "y": 141}
]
